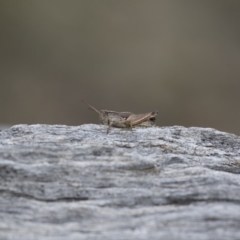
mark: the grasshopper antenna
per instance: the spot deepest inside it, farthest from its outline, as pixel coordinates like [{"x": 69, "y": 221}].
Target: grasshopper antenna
[{"x": 91, "y": 107}]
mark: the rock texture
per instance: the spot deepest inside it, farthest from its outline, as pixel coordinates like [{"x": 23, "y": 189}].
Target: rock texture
[{"x": 61, "y": 182}]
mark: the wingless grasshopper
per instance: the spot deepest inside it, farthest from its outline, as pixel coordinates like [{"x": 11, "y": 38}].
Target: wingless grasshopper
[{"x": 124, "y": 119}]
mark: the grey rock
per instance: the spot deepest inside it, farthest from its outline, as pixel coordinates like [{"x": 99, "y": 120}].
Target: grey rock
[{"x": 61, "y": 182}]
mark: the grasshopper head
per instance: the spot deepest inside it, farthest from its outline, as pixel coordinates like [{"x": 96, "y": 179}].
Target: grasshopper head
[{"x": 103, "y": 117}]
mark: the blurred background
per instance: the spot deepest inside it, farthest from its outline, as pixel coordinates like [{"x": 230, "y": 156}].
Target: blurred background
[{"x": 181, "y": 57}]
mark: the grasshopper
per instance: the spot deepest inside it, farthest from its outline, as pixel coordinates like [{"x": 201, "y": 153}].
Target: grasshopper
[{"x": 124, "y": 119}]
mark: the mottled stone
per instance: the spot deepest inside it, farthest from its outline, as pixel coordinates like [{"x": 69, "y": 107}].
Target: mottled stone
[{"x": 61, "y": 182}]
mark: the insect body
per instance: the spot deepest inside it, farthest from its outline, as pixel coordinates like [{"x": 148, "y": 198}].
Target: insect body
[{"x": 124, "y": 119}]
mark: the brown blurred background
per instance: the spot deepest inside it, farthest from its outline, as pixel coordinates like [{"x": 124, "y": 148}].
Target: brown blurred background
[{"x": 181, "y": 57}]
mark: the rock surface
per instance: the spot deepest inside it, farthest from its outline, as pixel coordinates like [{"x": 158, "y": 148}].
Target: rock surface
[{"x": 61, "y": 182}]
